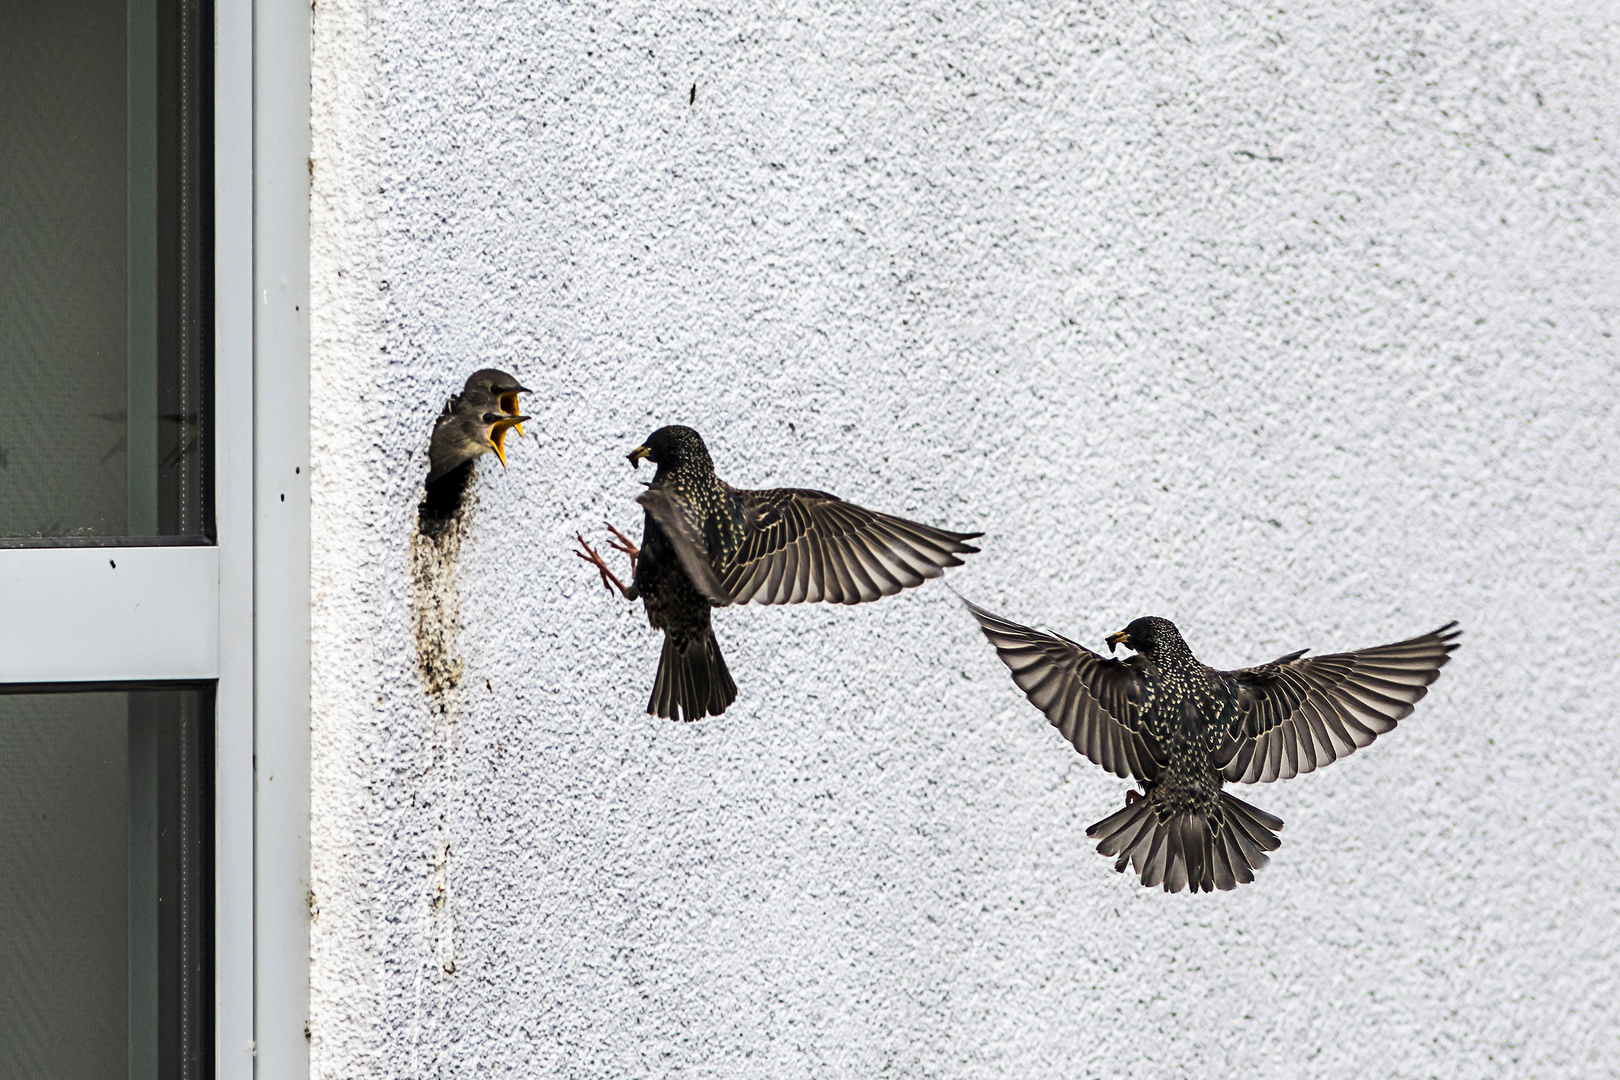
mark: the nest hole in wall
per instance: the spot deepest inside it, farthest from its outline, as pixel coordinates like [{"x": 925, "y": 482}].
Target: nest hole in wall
[{"x": 444, "y": 500}]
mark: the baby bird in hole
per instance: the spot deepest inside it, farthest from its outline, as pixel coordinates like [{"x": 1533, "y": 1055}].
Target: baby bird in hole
[{"x": 475, "y": 422}]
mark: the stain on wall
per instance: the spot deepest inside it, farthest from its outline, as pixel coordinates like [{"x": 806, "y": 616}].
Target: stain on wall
[
  {"x": 435, "y": 601},
  {"x": 444, "y": 518}
]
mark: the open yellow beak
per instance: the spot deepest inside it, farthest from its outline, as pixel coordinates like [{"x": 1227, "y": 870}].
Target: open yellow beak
[
  {"x": 509, "y": 404},
  {"x": 1116, "y": 640},
  {"x": 497, "y": 435},
  {"x": 637, "y": 454}
]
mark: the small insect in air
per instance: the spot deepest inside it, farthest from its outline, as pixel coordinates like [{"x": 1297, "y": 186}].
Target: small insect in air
[{"x": 691, "y": 98}]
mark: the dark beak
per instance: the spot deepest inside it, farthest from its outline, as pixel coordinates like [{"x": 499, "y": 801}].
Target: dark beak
[
  {"x": 1116, "y": 640},
  {"x": 637, "y": 454}
]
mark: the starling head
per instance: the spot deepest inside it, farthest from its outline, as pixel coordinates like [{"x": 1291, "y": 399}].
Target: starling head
[
  {"x": 497, "y": 384},
  {"x": 671, "y": 447},
  {"x": 492, "y": 386},
  {"x": 1149, "y": 635},
  {"x": 464, "y": 433}
]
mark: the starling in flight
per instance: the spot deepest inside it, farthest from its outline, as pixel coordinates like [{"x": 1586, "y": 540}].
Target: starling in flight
[
  {"x": 1183, "y": 730},
  {"x": 707, "y": 544},
  {"x": 475, "y": 421}
]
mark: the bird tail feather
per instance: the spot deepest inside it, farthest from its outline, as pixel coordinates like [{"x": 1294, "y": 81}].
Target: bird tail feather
[
  {"x": 692, "y": 682},
  {"x": 1203, "y": 849}
]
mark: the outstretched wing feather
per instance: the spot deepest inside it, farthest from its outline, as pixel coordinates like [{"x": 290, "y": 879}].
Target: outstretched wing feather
[
  {"x": 800, "y": 546},
  {"x": 1092, "y": 700},
  {"x": 1299, "y": 713}
]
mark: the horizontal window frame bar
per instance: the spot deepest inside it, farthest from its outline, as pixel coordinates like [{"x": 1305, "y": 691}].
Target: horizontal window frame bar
[
  {"x": 30, "y": 543},
  {"x": 148, "y": 615},
  {"x": 115, "y": 686}
]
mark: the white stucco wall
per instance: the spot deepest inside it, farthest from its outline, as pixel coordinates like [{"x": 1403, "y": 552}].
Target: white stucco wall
[{"x": 1292, "y": 323}]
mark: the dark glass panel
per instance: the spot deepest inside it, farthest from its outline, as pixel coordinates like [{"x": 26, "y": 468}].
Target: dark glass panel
[
  {"x": 105, "y": 367},
  {"x": 106, "y": 831}
]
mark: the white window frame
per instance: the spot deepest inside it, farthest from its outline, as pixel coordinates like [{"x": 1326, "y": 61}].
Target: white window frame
[{"x": 237, "y": 612}]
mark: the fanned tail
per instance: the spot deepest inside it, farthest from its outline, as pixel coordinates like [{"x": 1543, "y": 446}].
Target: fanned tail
[
  {"x": 692, "y": 682},
  {"x": 1202, "y": 850}
]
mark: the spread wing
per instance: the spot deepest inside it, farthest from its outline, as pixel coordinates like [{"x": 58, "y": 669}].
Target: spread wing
[
  {"x": 1095, "y": 701},
  {"x": 1296, "y": 715},
  {"x": 679, "y": 523},
  {"x": 801, "y": 546}
]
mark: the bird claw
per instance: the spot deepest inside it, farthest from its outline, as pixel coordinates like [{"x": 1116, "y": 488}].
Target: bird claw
[
  {"x": 621, "y": 542},
  {"x": 609, "y": 580}
]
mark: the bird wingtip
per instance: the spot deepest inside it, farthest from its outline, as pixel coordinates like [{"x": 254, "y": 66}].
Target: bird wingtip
[{"x": 970, "y": 605}]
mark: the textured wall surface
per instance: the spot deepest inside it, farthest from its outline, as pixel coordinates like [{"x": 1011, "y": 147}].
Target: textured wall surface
[{"x": 1292, "y": 323}]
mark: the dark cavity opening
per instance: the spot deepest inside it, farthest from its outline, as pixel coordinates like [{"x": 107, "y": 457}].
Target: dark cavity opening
[{"x": 443, "y": 501}]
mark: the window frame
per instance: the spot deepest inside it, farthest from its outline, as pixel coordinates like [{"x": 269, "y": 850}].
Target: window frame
[
  {"x": 280, "y": 586},
  {"x": 236, "y": 612}
]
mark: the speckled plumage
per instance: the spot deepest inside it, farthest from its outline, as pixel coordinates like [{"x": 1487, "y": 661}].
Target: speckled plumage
[
  {"x": 707, "y": 544},
  {"x": 692, "y": 679},
  {"x": 1184, "y": 730}
]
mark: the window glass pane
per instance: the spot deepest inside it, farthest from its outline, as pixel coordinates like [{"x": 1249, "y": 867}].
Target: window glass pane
[
  {"x": 106, "y": 830},
  {"x": 105, "y": 395}
]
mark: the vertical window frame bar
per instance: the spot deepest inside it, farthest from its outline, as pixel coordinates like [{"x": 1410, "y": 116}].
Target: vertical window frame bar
[
  {"x": 281, "y": 126},
  {"x": 233, "y": 446}
]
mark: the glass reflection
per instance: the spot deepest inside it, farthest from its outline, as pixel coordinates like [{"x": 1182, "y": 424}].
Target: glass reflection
[
  {"x": 104, "y": 826},
  {"x": 103, "y": 360}
]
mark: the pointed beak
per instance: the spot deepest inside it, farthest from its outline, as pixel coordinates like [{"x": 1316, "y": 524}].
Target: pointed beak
[
  {"x": 509, "y": 404},
  {"x": 1116, "y": 640},
  {"x": 497, "y": 435},
  {"x": 637, "y": 454}
]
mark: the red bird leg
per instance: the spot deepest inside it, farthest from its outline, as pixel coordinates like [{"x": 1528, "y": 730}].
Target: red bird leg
[
  {"x": 623, "y": 543},
  {"x": 1132, "y": 796},
  {"x": 609, "y": 580}
]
